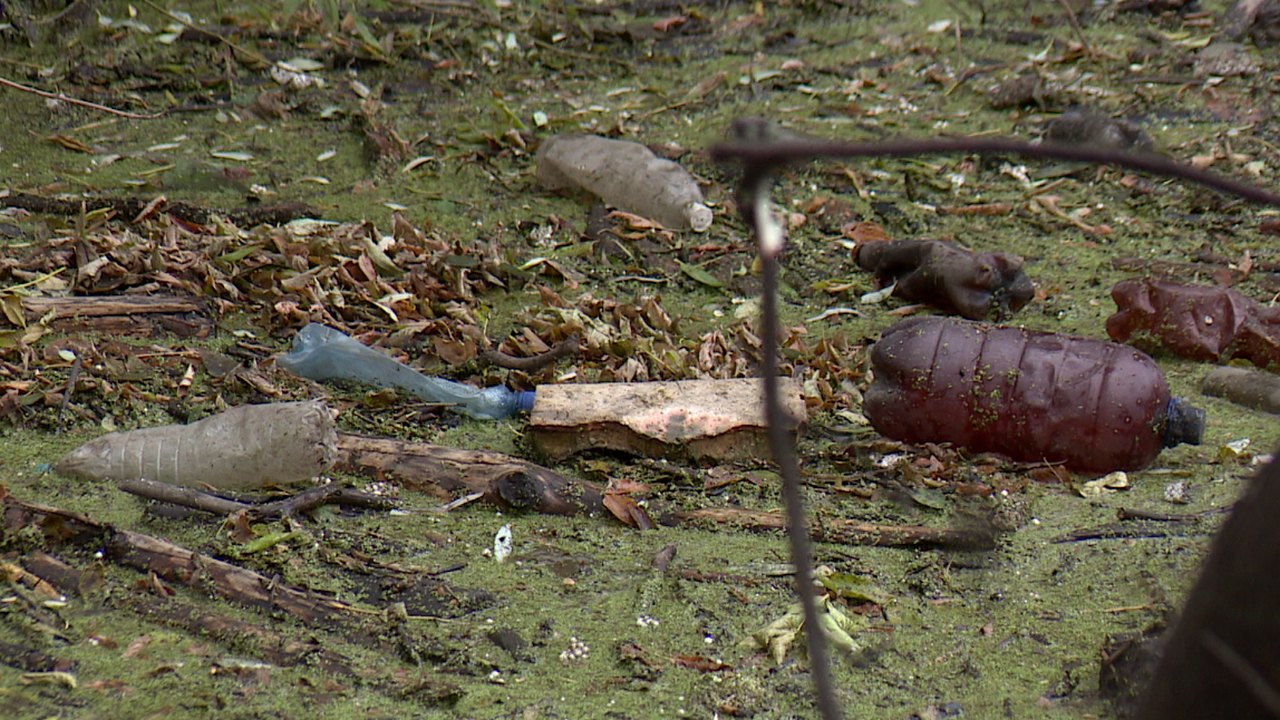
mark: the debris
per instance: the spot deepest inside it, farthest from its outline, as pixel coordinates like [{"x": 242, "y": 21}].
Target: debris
[
  {"x": 1195, "y": 322},
  {"x": 502, "y": 480},
  {"x": 320, "y": 352},
  {"x": 1085, "y": 127},
  {"x": 952, "y": 279},
  {"x": 626, "y": 175},
  {"x": 329, "y": 493},
  {"x": 1092, "y": 405},
  {"x": 1250, "y": 388},
  {"x": 250, "y": 446},
  {"x": 120, "y": 315},
  {"x": 174, "y": 563},
  {"x": 701, "y": 419},
  {"x": 502, "y": 543}
]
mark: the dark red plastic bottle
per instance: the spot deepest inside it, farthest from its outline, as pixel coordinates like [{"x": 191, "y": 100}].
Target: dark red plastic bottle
[{"x": 1094, "y": 406}]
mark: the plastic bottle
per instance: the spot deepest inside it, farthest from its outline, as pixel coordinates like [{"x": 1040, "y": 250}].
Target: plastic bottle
[
  {"x": 1092, "y": 405},
  {"x": 626, "y": 175},
  {"x": 320, "y": 352},
  {"x": 954, "y": 280},
  {"x": 1195, "y": 322},
  {"x": 246, "y": 447}
]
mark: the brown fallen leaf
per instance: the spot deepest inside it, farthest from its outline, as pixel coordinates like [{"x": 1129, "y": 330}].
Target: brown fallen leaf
[{"x": 628, "y": 511}]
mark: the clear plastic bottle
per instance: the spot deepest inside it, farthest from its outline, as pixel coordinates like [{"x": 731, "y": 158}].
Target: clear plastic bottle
[
  {"x": 626, "y": 175},
  {"x": 1092, "y": 405},
  {"x": 320, "y": 352}
]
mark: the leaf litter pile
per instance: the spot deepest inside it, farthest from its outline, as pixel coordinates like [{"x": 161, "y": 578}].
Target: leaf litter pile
[{"x": 156, "y": 283}]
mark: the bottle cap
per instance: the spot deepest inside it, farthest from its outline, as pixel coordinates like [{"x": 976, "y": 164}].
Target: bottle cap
[
  {"x": 524, "y": 400},
  {"x": 698, "y": 215},
  {"x": 1183, "y": 423}
]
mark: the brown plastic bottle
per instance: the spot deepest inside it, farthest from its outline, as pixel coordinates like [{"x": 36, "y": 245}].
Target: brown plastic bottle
[
  {"x": 1094, "y": 406},
  {"x": 1194, "y": 321}
]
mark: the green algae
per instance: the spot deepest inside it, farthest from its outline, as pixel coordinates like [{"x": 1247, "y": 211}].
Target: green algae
[{"x": 1013, "y": 632}]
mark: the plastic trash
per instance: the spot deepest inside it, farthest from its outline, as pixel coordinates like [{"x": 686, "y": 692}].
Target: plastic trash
[
  {"x": 1195, "y": 322},
  {"x": 626, "y": 175},
  {"x": 1086, "y": 128},
  {"x": 952, "y": 279},
  {"x": 1094, "y": 406},
  {"x": 247, "y": 447},
  {"x": 320, "y": 352},
  {"x": 1251, "y": 388}
]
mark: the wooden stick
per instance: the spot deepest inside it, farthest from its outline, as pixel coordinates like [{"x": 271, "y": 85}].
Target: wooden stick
[
  {"x": 565, "y": 348},
  {"x": 271, "y": 646},
  {"x": 82, "y": 103},
  {"x": 328, "y": 494},
  {"x": 849, "y": 532},
  {"x": 175, "y": 563},
  {"x": 444, "y": 471}
]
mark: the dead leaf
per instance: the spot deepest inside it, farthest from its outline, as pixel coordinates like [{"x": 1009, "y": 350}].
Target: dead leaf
[
  {"x": 628, "y": 511},
  {"x": 135, "y": 647},
  {"x": 861, "y": 231}
]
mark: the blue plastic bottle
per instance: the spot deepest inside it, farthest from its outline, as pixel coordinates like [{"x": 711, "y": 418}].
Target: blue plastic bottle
[{"x": 320, "y": 352}]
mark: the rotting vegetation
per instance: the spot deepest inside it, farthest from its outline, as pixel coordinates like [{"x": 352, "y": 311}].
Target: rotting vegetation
[{"x": 437, "y": 108}]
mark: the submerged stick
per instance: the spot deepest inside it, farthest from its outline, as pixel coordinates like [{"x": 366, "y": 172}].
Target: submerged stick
[
  {"x": 274, "y": 647},
  {"x": 173, "y": 562},
  {"x": 328, "y": 494},
  {"x": 845, "y": 531},
  {"x": 769, "y": 154}
]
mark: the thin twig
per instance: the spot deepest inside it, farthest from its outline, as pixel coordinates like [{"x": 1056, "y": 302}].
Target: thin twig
[
  {"x": 1075, "y": 26},
  {"x": 75, "y": 101},
  {"x": 782, "y": 151},
  {"x": 754, "y": 201},
  {"x": 1134, "y": 514},
  {"x": 187, "y": 24},
  {"x": 565, "y": 348},
  {"x": 72, "y": 378},
  {"x": 330, "y": 494}
]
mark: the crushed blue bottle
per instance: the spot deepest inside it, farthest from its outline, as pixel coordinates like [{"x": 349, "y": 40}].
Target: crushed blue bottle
[{"x": 320, "y": 353}]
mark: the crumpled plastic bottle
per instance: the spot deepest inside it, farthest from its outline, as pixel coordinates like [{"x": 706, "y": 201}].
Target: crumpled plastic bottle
[
  {"x": 626, "y": 175},
  {"x": 320, "y": 352},
  {"x": 1094, "y": 406},
  {"x": 1195, "y": 322},
  {"x": 952, "y": 279}
]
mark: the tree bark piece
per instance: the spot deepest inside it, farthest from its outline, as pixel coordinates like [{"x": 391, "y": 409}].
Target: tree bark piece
[
  {"x": 133, "y": 315},
  {"x": 444, "y": 471},
  {"x": 694, "y": 419}
]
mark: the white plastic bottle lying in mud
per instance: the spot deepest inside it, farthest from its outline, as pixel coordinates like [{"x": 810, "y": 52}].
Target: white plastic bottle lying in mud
[
  {"x": 626, "y": 175},
  {"x": 247, "y": 447}
]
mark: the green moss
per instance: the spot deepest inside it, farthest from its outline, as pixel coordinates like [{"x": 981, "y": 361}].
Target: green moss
[{"x": 994, "y": 633}]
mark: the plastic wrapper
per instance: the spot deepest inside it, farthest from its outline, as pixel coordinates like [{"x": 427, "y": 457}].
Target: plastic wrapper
[
  {"x": 1195, "y": 322},
  {"x": 1094, "y": 406},
  {"x": 626, "y": 175},
  {"x": 954, "y": 280},
  {"x": 247, "y": 447}
]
